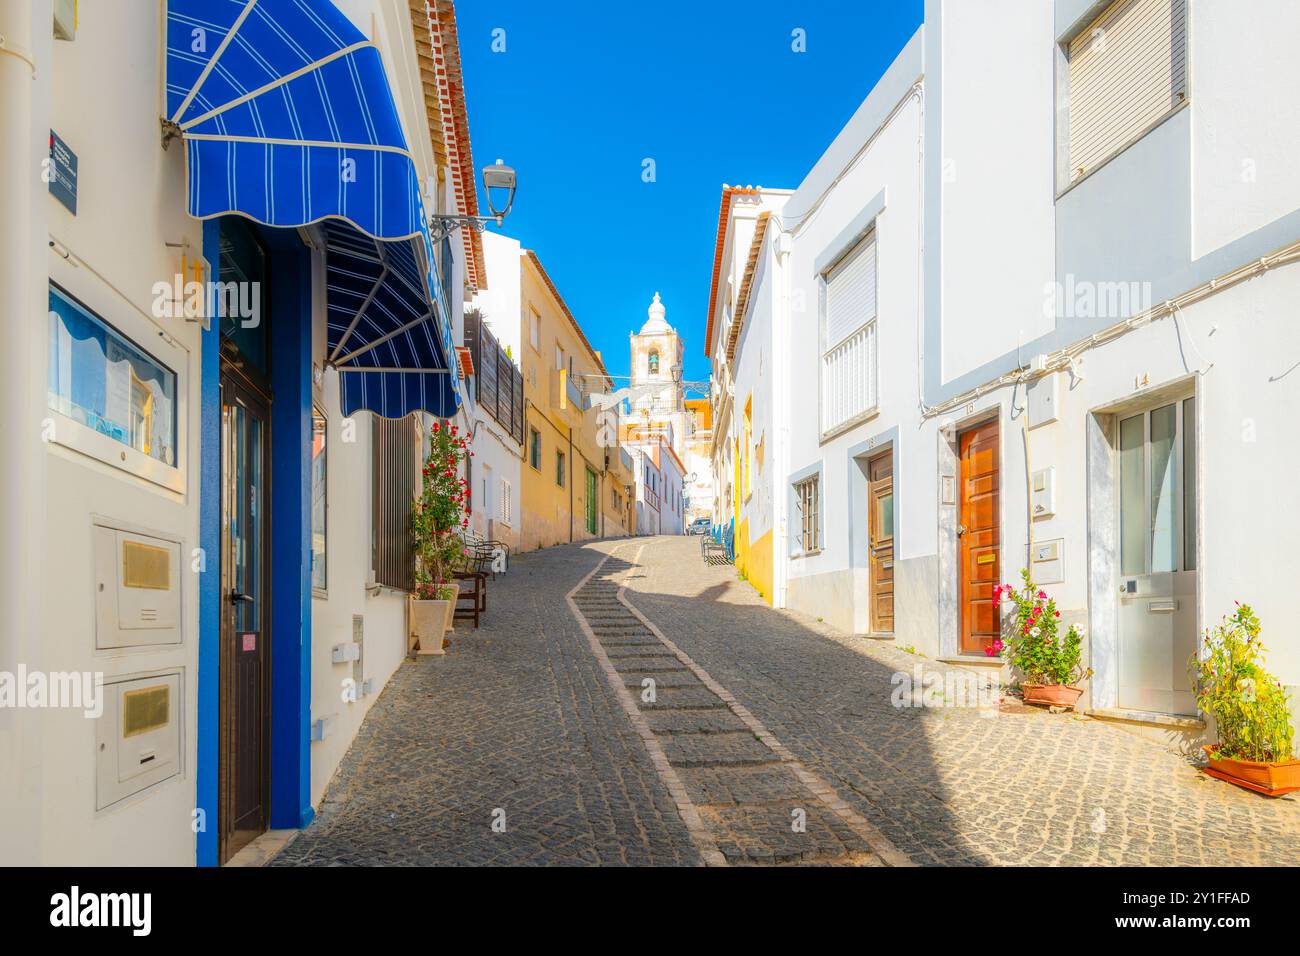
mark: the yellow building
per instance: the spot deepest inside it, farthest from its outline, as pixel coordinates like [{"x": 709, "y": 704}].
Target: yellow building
[{"x": 572, "y": 487}]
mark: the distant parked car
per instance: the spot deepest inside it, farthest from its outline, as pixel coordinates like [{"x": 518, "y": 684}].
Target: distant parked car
[{"x": 699, "y": 526}]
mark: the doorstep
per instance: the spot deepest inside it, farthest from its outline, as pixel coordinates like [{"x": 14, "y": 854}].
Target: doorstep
[
  {"x": 263, "y": 848},
  {"x": 1146, "y": 717},
  {"x": 972, "y": 661}
]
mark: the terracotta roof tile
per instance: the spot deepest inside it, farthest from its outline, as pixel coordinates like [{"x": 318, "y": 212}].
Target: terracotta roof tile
[{"x": 724, "y": 211}]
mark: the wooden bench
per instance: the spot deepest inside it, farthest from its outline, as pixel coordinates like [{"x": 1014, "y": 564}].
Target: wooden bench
[{"x": 472, "y": 589}]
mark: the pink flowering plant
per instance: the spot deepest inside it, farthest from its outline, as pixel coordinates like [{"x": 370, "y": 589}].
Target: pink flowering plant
[
  {"x": 440, "y": 515},
  {"x": 1032, "y": 642},
  {"x": 1249, "y": 705}
]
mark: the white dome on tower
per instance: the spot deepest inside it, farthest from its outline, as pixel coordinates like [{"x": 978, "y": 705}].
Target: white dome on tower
[{"x": 656, "y": 321}]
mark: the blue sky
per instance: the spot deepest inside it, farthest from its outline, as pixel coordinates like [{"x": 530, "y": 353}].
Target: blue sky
[{"x": 712, "y": 91}]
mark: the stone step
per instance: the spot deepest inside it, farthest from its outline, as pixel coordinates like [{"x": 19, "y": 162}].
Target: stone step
[
  {"x": 677, "y": 677},
  {"x": 729, "y": 749},
  {"x": 679, "y": 698}
]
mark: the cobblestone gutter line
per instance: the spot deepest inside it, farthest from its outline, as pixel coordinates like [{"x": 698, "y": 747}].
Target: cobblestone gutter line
[
  {"x": 879, "y": 843},
  {"x": 743, "y": 797},
  {"x": 700, "y": 834}
]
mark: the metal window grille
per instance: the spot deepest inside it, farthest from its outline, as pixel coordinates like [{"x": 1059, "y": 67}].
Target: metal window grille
[{"x": 806, "y": 493}]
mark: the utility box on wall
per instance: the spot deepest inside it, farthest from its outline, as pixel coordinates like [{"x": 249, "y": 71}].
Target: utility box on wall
[
  {"x": 1043, "y": 493},
  {"x": 138, "y": 736},
  {"x": 1042, "y": 395},
  {"x": 137, "y": 588}
]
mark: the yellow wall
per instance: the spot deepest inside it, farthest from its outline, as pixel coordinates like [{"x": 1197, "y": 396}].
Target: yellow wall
[
  {"x": 754, "y": 560},
  {"x": 550, "y": 513}
]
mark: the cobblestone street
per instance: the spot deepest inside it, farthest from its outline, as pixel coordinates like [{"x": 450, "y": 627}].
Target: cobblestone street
[{"x": 769, "y": 738}]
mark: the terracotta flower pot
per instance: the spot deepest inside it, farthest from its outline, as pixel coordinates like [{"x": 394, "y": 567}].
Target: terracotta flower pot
[
  {"x": 1271, "y": 778},
  {"x": 1052, "y": 695}
]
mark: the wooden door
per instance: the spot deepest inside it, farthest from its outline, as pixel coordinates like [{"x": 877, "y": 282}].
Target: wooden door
[
  {"x": 979, "y": 537},
  {"x": 244, "y": 669},
  {"x": 880, "y": 524}
]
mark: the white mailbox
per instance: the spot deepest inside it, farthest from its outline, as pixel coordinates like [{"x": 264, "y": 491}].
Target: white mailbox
[
  {"x": 137, "y": 738},
  {"x": 1049, "y": 561},
  {"x": 137, "y": 588}
]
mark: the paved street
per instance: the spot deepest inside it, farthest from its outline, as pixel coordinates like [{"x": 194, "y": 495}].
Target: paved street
[{"x": 769, "y": 738}]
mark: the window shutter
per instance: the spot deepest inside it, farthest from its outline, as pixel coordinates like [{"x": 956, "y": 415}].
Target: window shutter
[
  {"x": 851, "y": 293},
  {"x": 1126, "y": 70}
]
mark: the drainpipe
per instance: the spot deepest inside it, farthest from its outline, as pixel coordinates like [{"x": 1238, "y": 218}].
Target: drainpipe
[
  {"x": 24, "y": 98},
  {"x": 570, "y": 479}
]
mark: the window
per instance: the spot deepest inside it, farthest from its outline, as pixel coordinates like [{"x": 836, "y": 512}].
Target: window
[
  {"x": 534, "y": 329},
  {"x": 398, "y": 447},
  {"x": 849, "y": 336},
  {"x": 507, "y": 504},
  {"x": 1157, "y": 490},
  {"x": 1126, "y": 71},
  {"x": 559, "y": 468},
  {"x": 244, "y": 275},
  {"x": 654, "y": 362},
  {"x": 535, "y": 448},
  {"x": 559, "y": 357},
  {"x": 318, "y": 499},
  {"x": 104, "y": 381},
  {"x": 806, "y": 499}
]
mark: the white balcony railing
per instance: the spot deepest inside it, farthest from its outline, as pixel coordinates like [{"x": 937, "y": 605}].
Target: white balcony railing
[{"x": 849, "y": 378}]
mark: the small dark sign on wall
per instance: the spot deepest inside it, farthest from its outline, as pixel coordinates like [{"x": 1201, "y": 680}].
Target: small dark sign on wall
[{"x": 63, "y": 173}]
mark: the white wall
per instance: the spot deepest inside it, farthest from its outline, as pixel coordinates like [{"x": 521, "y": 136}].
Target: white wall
[
  {"x": 1246, "y": 133},
  {"x": 754, "y": 378},
  {"x": 832, "y": 584},
  {"x": 131, "y": 202},
  {"x": 989, "y": 68},
  {"x": 349, "y": 526},
  {"x": 497, "y": 455}
]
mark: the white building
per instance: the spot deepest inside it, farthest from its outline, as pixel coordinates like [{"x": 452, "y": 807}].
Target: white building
[
  {"x": 659, "y": 477},
  {"x": 498, "y": 420},
  {"x": 205, "y": 513},
  {"x": 1053, "y": 329},
  {"x": 745, "y": 347}
]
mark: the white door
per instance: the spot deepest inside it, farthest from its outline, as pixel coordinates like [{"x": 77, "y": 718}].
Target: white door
[{"x": 1157, "y": 531}]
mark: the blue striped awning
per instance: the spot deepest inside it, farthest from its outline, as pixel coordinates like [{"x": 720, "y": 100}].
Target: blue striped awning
[
  {"x": 288, "y": 119},
  {"x": 382, "y": 326}
]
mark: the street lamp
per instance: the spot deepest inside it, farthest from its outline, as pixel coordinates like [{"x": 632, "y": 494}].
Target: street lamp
[
  {"x": 499, "y": 176},
  {"x": 499, "y": 182}
]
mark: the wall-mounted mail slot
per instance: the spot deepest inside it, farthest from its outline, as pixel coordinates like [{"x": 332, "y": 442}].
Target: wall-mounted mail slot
[
  {"x": 342, "y": 653},
  {"x": 137, "y": 738},
  {"x": 1049, "y": 561},
  {"x": 1162, "y": 607},
  {"x": 137, "y": 588}
]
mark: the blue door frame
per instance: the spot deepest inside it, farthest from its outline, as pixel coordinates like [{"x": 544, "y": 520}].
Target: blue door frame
[{"x": 290, "y": 339}]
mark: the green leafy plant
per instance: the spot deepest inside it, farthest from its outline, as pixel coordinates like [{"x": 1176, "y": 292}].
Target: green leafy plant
[
  {"x": 1248, "y": 704},
  {"x": 1032, "y": 643},
  {"x": 440, "y": 515}
]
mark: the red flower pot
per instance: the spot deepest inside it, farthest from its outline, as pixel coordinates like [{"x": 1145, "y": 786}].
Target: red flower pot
[
  {"x": 1271, "y": 778},
  {"x": 1051, "y": 695}
]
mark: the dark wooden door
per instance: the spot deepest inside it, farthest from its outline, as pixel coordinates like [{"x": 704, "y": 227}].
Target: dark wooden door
[
  {"x": 979, "y": 537},
  {"x": 243, "y": 774},
  {"x": 880, "y": 523}
]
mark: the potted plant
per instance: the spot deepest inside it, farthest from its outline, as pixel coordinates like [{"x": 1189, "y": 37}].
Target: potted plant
[
  {"x": 1049, "y": 664},
  {"x": 438, "y": 516},
  {"x": 1249, "y": 707}
]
